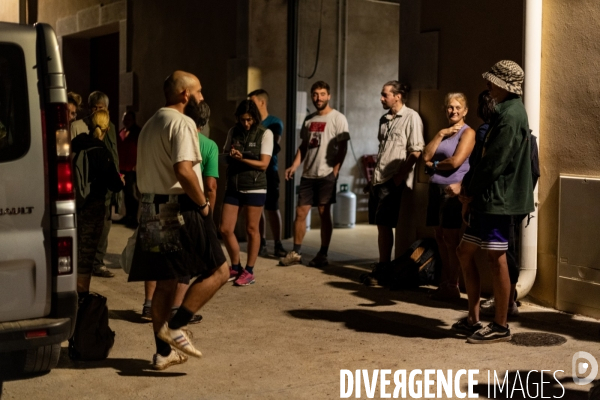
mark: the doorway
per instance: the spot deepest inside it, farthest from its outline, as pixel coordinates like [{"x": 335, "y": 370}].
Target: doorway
[{"x": 92, "y": 63}]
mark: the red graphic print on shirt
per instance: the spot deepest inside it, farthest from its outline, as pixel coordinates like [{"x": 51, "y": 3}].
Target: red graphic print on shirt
[{"x": 316, "y": 130}]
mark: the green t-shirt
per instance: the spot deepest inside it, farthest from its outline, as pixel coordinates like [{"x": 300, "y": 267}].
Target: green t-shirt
[{"x": 209, "y": 166}]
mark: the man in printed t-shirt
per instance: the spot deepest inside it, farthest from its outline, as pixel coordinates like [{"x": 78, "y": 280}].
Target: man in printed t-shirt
[{"x": 323, "y": 149}]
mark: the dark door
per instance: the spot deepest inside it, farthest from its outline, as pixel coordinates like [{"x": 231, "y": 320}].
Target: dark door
[{"x": 104, "y": 71}]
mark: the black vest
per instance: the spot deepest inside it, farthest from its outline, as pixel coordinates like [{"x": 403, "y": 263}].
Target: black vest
[{"x": 241, "y": 176}]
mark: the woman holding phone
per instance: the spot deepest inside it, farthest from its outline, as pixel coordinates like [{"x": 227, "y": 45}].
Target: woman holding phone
[{"x": 250, "y": 146}]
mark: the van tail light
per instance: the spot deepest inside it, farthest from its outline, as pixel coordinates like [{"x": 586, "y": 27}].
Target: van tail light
[
  {"x": 65, "y": 180},
  {"x": 36, "y": 334},
  {"x": 63, "y": 253},
  {"x": 56, "y": 130}
]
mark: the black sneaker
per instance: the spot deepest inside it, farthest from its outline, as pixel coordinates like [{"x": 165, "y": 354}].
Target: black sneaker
[
  {"x": 490, "y": 334},
  {"x": 368, "y": 279},
  {"x": 263, "y": 252},
  {"x": 280, "y": 251},
  {"x": 146, "y": 313},
  {"x": 462, "y": 326}
]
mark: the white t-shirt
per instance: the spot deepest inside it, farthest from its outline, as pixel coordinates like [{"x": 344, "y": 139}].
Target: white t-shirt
[
  {"x": 266, "y": 147},
  {"x": 167, "y": 138},
  {"x": 322, "y": 133}
]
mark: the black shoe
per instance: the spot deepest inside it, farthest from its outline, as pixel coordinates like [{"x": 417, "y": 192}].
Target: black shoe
[
  {"x": 319, "y": 261},
  {"x": 146, "y": 313},
  {"x": 280, "y": 251},
  {"x": 103, "y": 272},
  {"x": 490, "y": 334},
  {"x": 263, "y": 252},
  {"x": 462, "y": 326},
  {"x": 368, "y": 279}
]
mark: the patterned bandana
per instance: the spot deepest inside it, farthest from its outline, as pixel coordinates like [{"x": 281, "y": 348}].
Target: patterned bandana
[{"x": 508, "y": 75}]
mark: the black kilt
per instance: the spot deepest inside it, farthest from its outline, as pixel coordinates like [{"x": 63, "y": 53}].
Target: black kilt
[{"x": 201, "y": 255}]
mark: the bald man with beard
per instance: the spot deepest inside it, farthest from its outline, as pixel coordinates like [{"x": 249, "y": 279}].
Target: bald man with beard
[{"x": 177, "y": 237}]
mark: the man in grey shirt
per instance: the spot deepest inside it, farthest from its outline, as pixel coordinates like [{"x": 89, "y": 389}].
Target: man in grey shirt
[
  {"x": 400, "y": 146},
  {"x": 323, "y": 149}
]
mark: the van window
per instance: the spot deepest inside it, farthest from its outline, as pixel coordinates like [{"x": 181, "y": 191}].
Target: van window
[{"x": 14, "y": 107}]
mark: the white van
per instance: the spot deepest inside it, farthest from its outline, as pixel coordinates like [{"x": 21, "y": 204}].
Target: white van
[{"x": 38, "y": 240}]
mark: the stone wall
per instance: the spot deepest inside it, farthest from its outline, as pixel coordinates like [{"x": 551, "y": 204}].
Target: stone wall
[{"x": 570, "y": 118}]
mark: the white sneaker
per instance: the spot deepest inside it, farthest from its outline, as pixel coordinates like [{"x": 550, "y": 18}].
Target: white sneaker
[
  {"x": 178, "y": 339},
  {"x": 488, "y": 308},
  {"x": 160, "y": 362},
  {"x": 290, "y": 259}
]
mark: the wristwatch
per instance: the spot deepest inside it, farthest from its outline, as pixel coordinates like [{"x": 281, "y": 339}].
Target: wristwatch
[{"x": 203, "y": 206}]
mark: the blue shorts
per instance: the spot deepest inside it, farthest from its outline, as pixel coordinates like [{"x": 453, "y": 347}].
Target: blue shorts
[
  {"x": 245, "y": 199},
  {"x": 488, "y": 231}
]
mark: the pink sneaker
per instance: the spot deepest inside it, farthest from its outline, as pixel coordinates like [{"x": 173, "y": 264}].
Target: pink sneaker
[
  {"x": 245, "y": 279},
  {"x": 233, "y": 274}
]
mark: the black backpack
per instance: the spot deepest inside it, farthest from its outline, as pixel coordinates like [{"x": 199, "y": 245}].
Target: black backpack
[
  {"x": 93, "y": 339},
  {"x": 81, "y": 173},
  {"x": 419, "y": 265}
]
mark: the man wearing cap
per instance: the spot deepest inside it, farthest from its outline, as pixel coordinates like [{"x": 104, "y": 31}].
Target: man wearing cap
[{"x": 498, "y": 186}]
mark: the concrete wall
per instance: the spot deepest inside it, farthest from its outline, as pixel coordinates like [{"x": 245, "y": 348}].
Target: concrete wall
[
  {"x": 267, "y": 50},
  {"x": 368, "y": 61},
  {"x": 202, "y": 43},
  {"x": 50, "y": 11},
  {"x": 569, "y": 118},
  {"x": 371, "y": 61},
  {"x": 9, "y": 11}
]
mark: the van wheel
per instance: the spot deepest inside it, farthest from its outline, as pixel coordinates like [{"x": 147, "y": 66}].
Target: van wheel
[{"x": 42, "y": 359}]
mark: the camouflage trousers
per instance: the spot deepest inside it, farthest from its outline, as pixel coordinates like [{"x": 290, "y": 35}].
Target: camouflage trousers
[{"x": 90, "y": 223}]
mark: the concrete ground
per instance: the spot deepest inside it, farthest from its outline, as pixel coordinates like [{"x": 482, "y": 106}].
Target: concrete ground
[{"x": 289, "y": 335}]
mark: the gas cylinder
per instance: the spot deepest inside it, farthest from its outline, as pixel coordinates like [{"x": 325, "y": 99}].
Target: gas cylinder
[{"x": 344, "y": 210}]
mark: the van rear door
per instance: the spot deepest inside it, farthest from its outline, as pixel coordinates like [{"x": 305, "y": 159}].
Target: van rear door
[{"x": 25, "y": 235}]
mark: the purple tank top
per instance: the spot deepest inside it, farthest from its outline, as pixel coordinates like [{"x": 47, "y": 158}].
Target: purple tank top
[{"x": 445, "y": 150}]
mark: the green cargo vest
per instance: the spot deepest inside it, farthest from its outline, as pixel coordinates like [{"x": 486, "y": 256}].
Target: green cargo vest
[{"x": 241, "y": 176}]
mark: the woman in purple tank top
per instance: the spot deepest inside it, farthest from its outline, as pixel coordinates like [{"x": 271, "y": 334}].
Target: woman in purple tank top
[{"x": 447, "y": 161}]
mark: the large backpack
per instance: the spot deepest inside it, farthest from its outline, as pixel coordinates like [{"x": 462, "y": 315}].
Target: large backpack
[
  {"x": 419, "y": 265},
  {"x": 93, "y": 339},
  {"x": 81, "y": 169}
]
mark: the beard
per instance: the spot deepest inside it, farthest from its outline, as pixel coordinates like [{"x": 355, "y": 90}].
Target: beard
[
  {"x": 322, "y": 106},
  {"x": 191, "y": 109}
]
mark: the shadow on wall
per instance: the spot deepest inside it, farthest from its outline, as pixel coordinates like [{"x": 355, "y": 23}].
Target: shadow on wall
[{"x": 545, "y": 282}]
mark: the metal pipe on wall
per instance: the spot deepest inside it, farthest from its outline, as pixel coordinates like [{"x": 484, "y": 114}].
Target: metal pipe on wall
[
  {"x": 290, "y": 125},
  {"x": 342, "y": 59},
  {"x": 533, "y": 66},
  {"x": 22, "y": 11}
]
